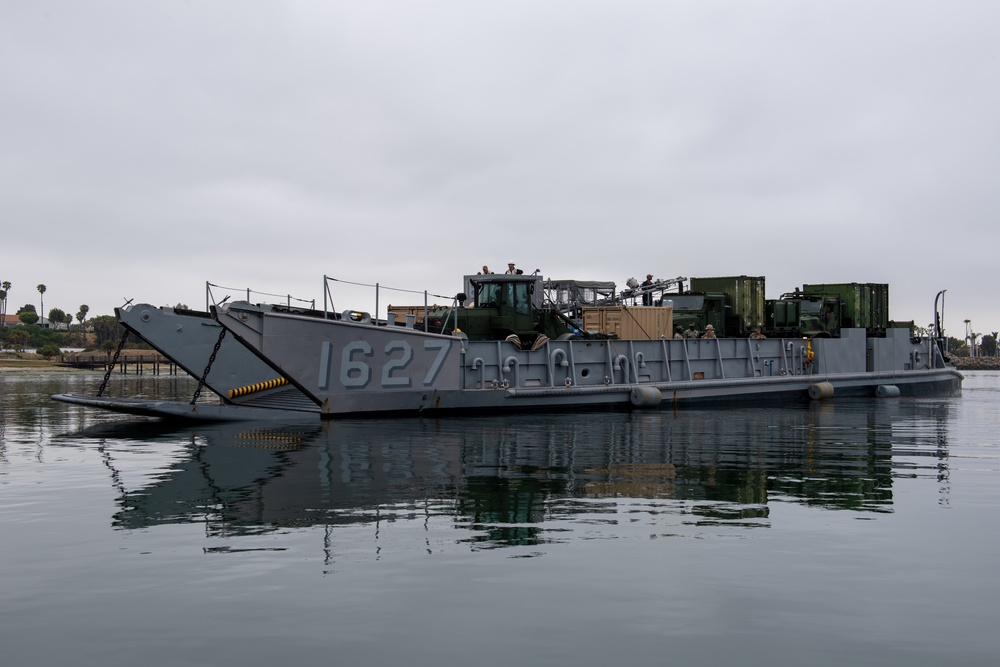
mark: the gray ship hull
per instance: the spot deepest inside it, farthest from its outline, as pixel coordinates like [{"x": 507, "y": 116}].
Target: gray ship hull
[{"x": 357, "y": 368}]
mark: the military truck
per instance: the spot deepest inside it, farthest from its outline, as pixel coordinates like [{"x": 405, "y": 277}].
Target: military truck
[
  {"x": 733, "y": 305},
  {"x": 494, "y": 307},
  {"x": 798, "y": 314},
  {"x": 864, "y": 305}
]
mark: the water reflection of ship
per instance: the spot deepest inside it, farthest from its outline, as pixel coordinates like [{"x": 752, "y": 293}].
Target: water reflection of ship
[{"x": 506, "y": 481}]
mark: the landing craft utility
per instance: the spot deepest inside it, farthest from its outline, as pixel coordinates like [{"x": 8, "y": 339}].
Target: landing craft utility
[{"x": 508, "y": 344}]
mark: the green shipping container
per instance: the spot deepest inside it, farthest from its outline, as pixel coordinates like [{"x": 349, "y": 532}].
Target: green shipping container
[
  {"x": 744, "y": 300},
  {"x": 862, "y": 304}
]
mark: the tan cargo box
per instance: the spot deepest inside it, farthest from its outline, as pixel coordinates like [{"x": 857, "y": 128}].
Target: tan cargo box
[{"x": 630, "y": 322}]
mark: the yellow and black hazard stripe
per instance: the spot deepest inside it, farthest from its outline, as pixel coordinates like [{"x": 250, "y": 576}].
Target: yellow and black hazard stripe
[{"x": 260, "y": 386}]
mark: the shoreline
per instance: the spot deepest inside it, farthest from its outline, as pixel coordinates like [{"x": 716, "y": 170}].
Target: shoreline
[
  {"x": 977, "y": 363},
  {"x": 29, "y": 361}
]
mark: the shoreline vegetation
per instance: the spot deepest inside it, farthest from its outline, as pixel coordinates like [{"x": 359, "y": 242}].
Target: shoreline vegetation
[
  {"x": 27, "y": 361},
  {"x": 977, "y": 363}
]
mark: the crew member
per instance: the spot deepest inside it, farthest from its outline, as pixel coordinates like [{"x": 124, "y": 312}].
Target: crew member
[
  {"x": 757, "y": 334},
  {"x": 709, "y": 332},
  {"x": 828, "y": 318},
  {"x": 692, "y": 331},
  {"x": 647, "y": 287},
  {"x": 678, "y": 332}
]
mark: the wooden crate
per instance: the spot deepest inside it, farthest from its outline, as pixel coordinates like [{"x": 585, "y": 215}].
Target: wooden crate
[{"x": 630, "y": 322}]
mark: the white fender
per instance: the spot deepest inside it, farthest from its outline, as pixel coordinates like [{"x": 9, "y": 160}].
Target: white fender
[
  {"x": 645, "y": 397},
  {"x": 820, "y": 390},
  {"x": 887, "y": 391}
]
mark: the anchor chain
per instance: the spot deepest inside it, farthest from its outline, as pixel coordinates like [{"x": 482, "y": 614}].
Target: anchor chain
[
  {"x": 111, "y": 366},
  {"x": 211, "y": 360}
]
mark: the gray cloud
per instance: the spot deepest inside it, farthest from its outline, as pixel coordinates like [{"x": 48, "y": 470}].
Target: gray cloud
[{"x": 151, "y": 147}]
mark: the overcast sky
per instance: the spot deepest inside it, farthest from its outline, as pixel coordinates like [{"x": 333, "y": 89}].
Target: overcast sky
[{"x": 149, "y": 147}]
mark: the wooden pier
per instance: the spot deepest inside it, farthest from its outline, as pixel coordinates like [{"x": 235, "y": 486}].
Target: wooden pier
[{"x": 138, "y": 364}]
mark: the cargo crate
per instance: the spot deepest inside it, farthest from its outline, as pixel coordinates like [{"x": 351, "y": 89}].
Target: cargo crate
[{"x": 630, "y": 322}]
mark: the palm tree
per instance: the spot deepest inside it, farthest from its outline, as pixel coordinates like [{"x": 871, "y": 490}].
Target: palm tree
[
  {"x": 6, "y": 289},
  {"x": 3, "y": 307},
  {"x": 81, "y": 314},
  {"x": 41, "y": 313}
]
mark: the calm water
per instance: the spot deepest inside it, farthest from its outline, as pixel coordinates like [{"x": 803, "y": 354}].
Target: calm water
[{"x": 850, "y": 532}]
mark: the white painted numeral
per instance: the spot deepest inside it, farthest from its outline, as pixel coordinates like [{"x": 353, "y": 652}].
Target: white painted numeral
[
  {"x": 399, "y": 363},
  {"x": 355, "y": 373},
  {"x": 442, "y": 346}
]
